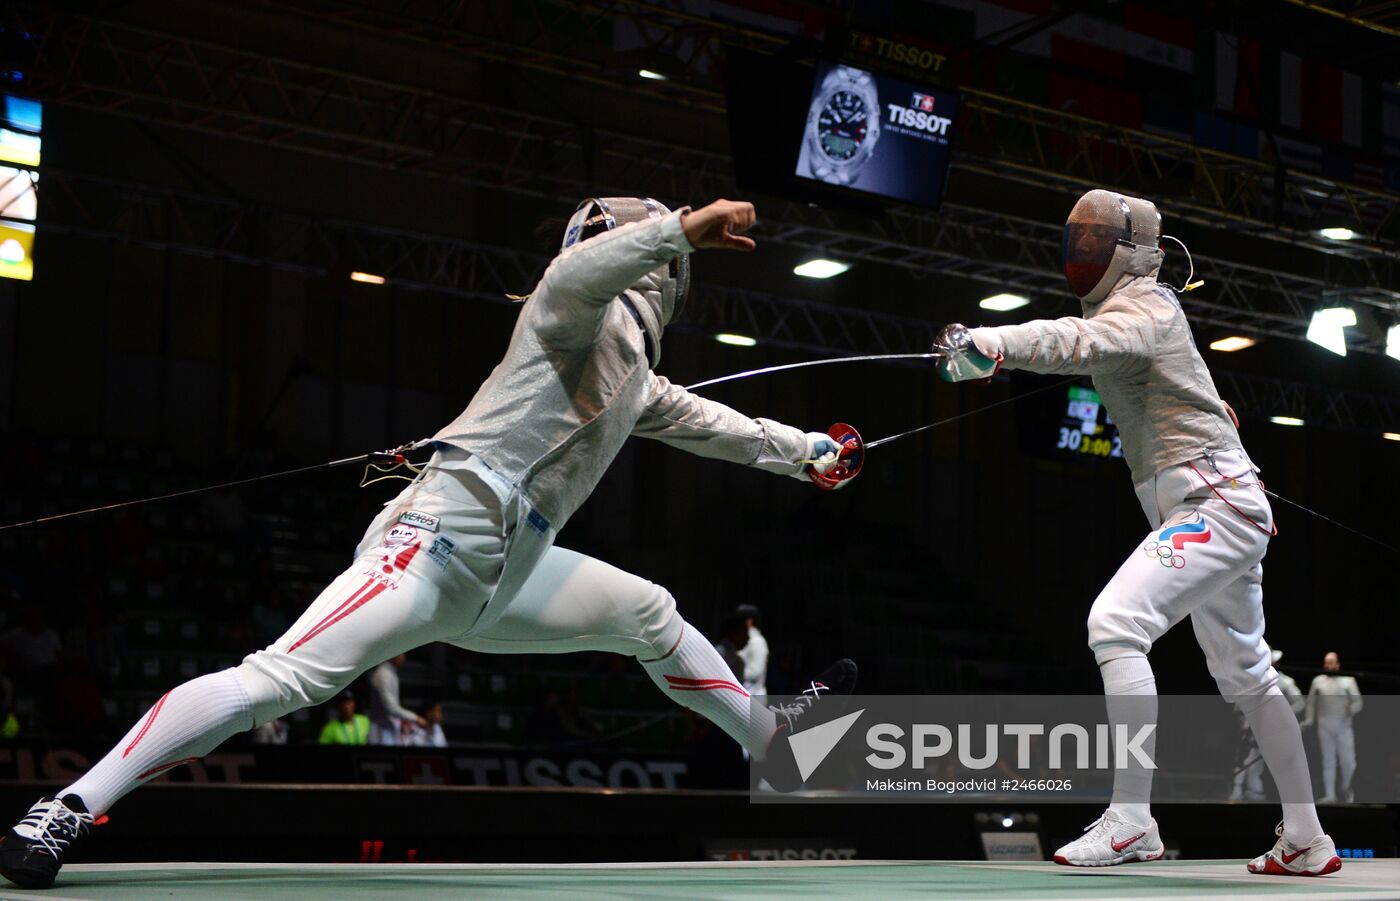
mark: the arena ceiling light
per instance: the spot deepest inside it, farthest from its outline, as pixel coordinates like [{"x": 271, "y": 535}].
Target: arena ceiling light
[
  {"x": 736, "y": 340},
  {"x": 1328, "y": 328},
  {"x": 1392, "y": 341},
  {"x": 1337, "y": 234},
  {"x": 368, "y": 278},
  {"x": 1002, "y": 303},
  {"x": 653, "y": 75},
  {"x": 1285, "y": 420},
  {"x": 1232, "y": 343},
  {"x": 1391, "y": 436},
  {"x": 821, "y": 268}
]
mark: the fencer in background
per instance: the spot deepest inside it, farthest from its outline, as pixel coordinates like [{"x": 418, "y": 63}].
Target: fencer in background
[
  {"x": 754, "y": 654},
  {"x": 1210, "y": 518},
  {"x": 389, "y": 720},
  {"x": 1332, "y": 702},
  {"x": 465, "y": 554},
  {"x": 1249, "y": 777}
]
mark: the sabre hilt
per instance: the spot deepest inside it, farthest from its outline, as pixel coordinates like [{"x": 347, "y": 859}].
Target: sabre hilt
[{"x": 849, "y": 461}]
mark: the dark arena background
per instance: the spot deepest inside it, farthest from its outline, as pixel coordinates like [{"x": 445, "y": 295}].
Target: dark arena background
[{"x": 243, "y": 238}]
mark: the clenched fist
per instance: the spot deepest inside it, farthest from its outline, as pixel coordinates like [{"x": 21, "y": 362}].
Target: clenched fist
[{"x": 721, "y": 224}]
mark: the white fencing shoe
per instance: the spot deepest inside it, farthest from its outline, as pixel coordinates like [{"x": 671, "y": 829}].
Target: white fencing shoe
[{"x": 1111, "y": 840}]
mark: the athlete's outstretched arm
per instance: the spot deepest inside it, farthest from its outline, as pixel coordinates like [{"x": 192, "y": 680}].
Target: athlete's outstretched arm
[
  {"x": 1120, "y": 338},
  {"x": 573, "y": 294},
  {"x": 708, "y": 428}
]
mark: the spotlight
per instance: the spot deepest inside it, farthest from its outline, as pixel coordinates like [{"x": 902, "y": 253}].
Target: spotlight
[
  {"x": 1285, "y": 420},
  {"x": 1327, "y": 328},
  {"x": 367, "y": 277},
  {"x": 1337, "y": 234},
  {"x": 821, "y": 268},
  {"x": 1007, "y": 822},
  {"x": 1391, "y": 436},
  {"x": 1232, "y": 343},
  {"x": 651, "y": 75},
  {"x": 736, "y": 340},
  {"x": 1003, "y": 302},
  {"x": 1392, "y": 342}
]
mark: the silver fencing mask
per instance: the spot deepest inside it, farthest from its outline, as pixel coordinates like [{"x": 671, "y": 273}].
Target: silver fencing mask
[{"x": 1107, "y": 236}]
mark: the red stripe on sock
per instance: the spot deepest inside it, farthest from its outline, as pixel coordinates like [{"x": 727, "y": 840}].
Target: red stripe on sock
[
  {"x": 157, "y": 770},
  {"x": 365, "y": 599},
  {"x": 680, "y": 684},
  {"x": 150, "y": 718}
]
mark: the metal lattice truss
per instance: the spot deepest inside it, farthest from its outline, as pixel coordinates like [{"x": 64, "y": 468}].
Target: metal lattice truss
[
  {"x": 201, "y": 225},
  {"x": 1009, "y": 138},
  {"x": 152, "y": 75},
  {"x": 157, "y": 77}
]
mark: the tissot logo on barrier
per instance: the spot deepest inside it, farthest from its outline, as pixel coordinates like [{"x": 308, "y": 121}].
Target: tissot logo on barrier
[{"x": 1044, "y": 748}]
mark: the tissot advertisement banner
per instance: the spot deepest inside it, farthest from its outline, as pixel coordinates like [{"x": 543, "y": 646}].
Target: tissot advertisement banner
[
  {"x": 877, "y": 134},
  {"x": 1074, "y": 748}
]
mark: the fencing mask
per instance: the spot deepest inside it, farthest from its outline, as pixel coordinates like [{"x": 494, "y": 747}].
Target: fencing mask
[
  {"x": 1106, "y": 237},
  {"x": 600, "y": 214}
]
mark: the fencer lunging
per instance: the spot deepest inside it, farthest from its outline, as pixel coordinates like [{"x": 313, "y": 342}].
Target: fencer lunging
[
  {"x": 465, "y": 554},
  {"x": 1209, "y": 516}
]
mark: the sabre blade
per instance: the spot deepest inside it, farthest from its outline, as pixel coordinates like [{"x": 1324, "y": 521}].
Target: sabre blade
[{"x": 805, "y": 363}]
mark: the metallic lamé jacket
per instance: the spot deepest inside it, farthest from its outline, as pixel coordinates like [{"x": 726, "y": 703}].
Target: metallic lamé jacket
[
  {"x": 575, "y": 381},
  {"x": 1137, "y": 345}
]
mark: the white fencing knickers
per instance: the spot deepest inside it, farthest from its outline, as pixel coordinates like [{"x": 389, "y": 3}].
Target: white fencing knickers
[
  {"x": 458, "y": 557},
  {"x": 1202, "y": 560}
]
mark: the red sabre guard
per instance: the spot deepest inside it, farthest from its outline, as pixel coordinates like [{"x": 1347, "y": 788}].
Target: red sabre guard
[{"x": 848, "y": 465}]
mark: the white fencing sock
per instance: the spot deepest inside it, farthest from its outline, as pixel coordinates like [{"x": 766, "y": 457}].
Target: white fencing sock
[
  {"x": 696, "y": 676},
  {"x": 183, "y": 726},
  {"x": 1280, "y": 741},
  {"x": 1130, "y": 692}
]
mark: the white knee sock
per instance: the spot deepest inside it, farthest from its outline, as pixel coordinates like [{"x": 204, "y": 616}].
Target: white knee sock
[
  {"x": 696, "y": 676},
  {"x": 1130, "y": 692},
  {"x": 186, "y": 724},
  {"x": 1280, "y": 740}
]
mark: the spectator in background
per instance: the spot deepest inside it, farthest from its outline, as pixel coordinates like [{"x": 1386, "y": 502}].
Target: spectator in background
[
  {"x": 348, "y": 727},
  {"x": 274, "y": 732},
  {"x": 754, "y": 654},
  {"x": 387, "y": 716},
  {"x": 33, "y": 647},
  {"x": 33, "y": 651},
  {"x": 430, "y": 737},
  {"x": 1333, "y": 701},
  {"x": 733, "y": 638}
]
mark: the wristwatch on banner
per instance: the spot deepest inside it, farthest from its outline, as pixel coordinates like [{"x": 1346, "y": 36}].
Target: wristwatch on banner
[{"x": 843, "y": 125}]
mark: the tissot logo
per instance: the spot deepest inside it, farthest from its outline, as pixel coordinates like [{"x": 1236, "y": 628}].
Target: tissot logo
[{"x": 918, "y": 119}]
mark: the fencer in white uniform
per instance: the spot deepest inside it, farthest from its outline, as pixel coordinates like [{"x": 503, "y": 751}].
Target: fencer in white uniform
[
  {"x": 1332, "y": 702},
  {"x": 465, "y": 554},
  {"x": 1210, "y": 519}
]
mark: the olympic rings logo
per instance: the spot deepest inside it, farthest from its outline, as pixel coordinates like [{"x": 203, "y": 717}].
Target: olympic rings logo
[{"x": 1164, "y": 555}]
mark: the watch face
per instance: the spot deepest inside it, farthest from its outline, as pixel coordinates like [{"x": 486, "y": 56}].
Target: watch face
[{"x": 842, "y": 125}]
